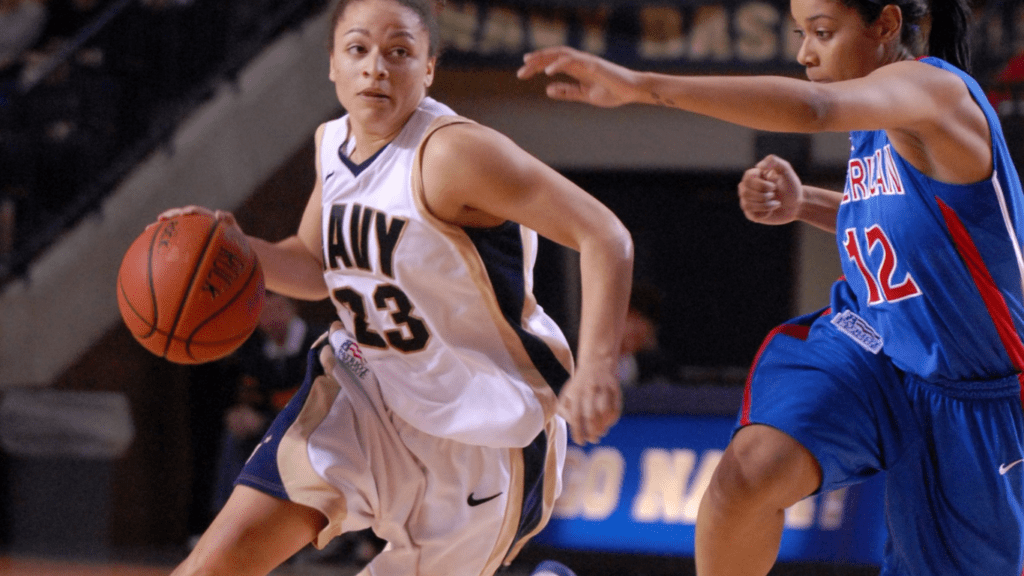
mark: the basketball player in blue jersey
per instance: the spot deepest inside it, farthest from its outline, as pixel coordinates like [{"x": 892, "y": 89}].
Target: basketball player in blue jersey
[
  {"x": 428, "y": 413},
  {"x": 917, "y": 366}
]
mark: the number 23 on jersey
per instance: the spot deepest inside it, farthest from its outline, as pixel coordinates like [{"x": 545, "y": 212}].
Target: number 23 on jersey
[{"x": 408, "y": 334}]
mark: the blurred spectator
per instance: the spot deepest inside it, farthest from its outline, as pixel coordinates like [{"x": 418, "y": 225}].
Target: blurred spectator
[
  {"x": 271, "y": 366},
  {"x": 100, "y": 82},
  {"x": 1007, "y": 94},
  {"x": 66, "y": 125},
  {"x": 642, "y": 361},
  {"x": 65, "y": 19},
  {"x": 21, "y": 25}
]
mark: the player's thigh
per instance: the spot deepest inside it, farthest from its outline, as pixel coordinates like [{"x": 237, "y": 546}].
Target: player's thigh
[
  {"x": 842, "y": 402},
  {"x": 252, "y": 535}
]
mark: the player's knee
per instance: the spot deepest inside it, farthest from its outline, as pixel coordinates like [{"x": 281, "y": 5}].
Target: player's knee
[
  {"x": 736, "y": 484},
  {"x": 763, "y": 467}
]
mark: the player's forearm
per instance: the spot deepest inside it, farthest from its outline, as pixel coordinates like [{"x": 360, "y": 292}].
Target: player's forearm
[
  {"x": 820, "y": 207},
  {"x": 606, "y": 276},
  {"x": 290, "y": 269},
  {"x": 771, "y": 103}
]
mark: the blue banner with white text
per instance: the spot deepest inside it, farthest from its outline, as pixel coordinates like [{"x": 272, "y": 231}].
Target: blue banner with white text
[{"x": 637, "y": 492}]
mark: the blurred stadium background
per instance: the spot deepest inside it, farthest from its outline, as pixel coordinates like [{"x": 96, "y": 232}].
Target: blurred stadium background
[{"x": 119, "y": 109}]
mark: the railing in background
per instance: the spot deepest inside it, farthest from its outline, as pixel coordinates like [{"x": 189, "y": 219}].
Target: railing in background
[{"x": 74, "y": 125}]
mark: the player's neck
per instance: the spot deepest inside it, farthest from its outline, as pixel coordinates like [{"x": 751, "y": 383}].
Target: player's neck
[{"x": 362, "y": 142}]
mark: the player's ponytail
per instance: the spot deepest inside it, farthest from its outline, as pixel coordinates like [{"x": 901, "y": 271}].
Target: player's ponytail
[
  {"x": 950, "y": 24},
  {"x": 949, "y": 38}
]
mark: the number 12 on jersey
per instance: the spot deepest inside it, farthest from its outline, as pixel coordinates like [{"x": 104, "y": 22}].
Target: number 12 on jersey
[{"x": 880, "y": 283}]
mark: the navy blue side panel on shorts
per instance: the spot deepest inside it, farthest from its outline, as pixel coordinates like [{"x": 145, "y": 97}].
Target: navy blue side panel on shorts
[
  {"x": 534, "y": 457},
  {"x": 261, "y": 471}
]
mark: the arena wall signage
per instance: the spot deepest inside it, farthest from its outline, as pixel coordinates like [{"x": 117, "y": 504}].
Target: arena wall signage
[
  {"x": 637, "y": 492},
  {"x": 689, "y": 35}
]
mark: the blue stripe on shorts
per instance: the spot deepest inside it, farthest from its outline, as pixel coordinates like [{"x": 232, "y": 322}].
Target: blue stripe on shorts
[{"x": 260, "y": 471}]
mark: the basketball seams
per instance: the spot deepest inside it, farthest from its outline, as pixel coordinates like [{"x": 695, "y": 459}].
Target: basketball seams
[
  {"x": 125, "y": 296},
  {"x": 253, "y": 274},
  {"x": 149, "y": 279},
  {"x": 138, "y": 314},
  {"x": 180, "y": 326},
  {"x": 187, "y": 293}
]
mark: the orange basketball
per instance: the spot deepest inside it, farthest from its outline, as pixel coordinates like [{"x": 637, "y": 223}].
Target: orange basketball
[{"x": 190, "y": 289}]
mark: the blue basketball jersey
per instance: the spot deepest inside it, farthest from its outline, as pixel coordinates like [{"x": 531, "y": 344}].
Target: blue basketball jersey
[{"x": 936, "y": 267}]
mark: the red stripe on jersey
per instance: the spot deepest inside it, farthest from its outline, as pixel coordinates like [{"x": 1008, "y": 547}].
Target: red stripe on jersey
[
  {"x": 799, "y": 331},
  {"x": 994, "y": 302}
]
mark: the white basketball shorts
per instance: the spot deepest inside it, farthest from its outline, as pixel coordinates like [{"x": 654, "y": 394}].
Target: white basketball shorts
[{"x": 445, "y": 508}]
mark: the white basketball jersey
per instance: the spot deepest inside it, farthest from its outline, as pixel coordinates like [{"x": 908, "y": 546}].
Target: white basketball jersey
[{"x": 444, "y": 316}]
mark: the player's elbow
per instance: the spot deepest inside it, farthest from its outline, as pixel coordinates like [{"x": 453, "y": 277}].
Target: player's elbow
[{"x": 619, "y": 242}]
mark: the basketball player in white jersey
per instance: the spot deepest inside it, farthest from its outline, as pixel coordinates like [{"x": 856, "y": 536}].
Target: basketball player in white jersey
[{"x": 428, "y": 412}]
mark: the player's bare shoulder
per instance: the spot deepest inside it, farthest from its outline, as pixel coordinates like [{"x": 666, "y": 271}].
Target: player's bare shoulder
[
  {"x": 928, "y": 87},
  {"x": 462, "y": 162},
  {"x": 464, "y": 142}
]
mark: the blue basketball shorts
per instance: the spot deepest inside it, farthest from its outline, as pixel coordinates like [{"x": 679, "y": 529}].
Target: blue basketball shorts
[{"x": 952, "y": 453}]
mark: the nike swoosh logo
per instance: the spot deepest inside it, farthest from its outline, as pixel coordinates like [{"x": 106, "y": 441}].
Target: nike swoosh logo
[
  {"x": 475, "y": 502},
  {"x": 1004, "y": 468}
]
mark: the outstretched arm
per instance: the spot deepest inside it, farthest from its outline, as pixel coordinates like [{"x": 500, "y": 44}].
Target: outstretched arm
[
  {"x": 474, "y": 176},
  {"x": 763, "y": 102},
  {"x": 905, "y": 97}
]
